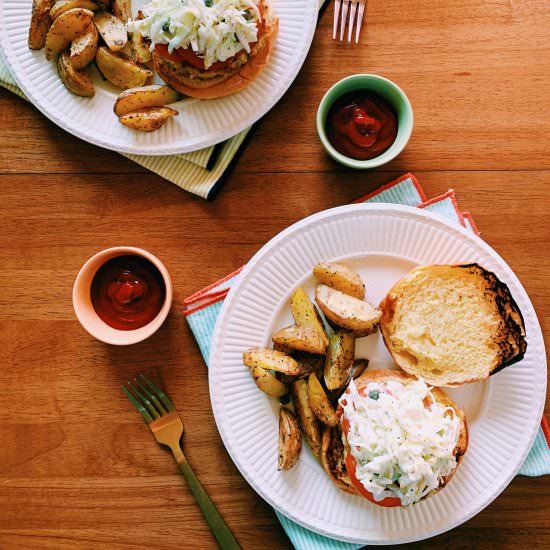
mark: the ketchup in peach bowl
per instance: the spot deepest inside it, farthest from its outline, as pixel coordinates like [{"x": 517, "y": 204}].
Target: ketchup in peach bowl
[{"x": 122, "y": 295}]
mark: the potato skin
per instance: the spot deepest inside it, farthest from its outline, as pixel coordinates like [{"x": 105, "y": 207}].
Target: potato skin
[
  {"x": 340, "y": 277},
  {"x": 301, "y": 338},
  {"x": 121, "y": 71},
  {"x": 40, "y": 23},
  {"x": 311, "y": 427},
  {"x": 290, "y": 440},
  {"x": 319, "y": 402},
  {"x": 65, "y": 29},
  {"x": 62, "y": 6},
  {"x": 147, "y": 120},
  {"x": 346, "y": 311},
  {"x": 77, "y": 82},
  {"x": 271, "y": 359},
  {"x": 142, "y": 97},
  {"x": 339, "y": 359},
  {"x": 305, "y": 314},
  {"x": 268, "y": 383}
]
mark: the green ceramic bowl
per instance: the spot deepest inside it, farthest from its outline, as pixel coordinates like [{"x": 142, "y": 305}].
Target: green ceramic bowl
[{"x": 392, "y": 93}]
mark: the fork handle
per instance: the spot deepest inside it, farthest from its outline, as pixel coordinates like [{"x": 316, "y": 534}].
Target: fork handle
[{"x": 223, "y": 535}]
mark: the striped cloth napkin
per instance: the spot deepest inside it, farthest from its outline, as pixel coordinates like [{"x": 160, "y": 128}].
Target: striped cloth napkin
[
  {"x": 203, "y": 308},
  {"x": 200, "y": 172}
]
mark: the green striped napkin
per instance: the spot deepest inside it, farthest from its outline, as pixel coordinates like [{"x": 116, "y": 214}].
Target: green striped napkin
[{"x": 200, "y": 172}]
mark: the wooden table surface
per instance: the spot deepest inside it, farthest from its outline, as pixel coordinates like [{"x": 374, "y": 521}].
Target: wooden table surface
[{"x": 79, "y": 469}]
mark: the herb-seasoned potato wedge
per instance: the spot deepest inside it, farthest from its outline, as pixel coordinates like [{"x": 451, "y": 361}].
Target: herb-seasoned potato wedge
[
  {"x": 112, "y": 30},
  {"x": 40, "y": 23},
  {"x": 340, "y": 277},
  {"x": 305, "y": 314},
  {"x": 65, "y": 29},
  {"x": 359, "y": 367},
  {"x": 333, "y": 459},
  {"x": 346, "y": 311},
  {"x": 339, "y": 360},
  {"x": 84, "y": 48},
  {"x": 308, "y": 362},
  {"x": 290, "y": 439},
  {"x": 268, "y": 383},
  {"x": 301, "y": 338},
  {"x": 122, "y": 9},
  {"x": 319, "y": 402},
  {"x": 62, "y": 6},
  {"x": 121, "y": 71},
  {"x": 143, "y": 97},
  {"x": 147, "y": 120},
  {"x": 140, "y": 45},
  {"x": 269, "y": 359},
  {"x": 311, "y": 427},
  {"x": 77, "y": 82}
]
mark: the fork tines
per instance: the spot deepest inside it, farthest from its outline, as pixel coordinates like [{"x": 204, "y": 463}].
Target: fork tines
[
  {"x": 150, "y": 401},
  {"x": 341, "y": 8}
]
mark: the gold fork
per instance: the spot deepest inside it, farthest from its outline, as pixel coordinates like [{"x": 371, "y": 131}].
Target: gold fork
[{"x": 163, "y": 420}]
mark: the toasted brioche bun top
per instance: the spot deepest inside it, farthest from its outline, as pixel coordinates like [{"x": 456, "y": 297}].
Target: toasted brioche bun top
[
  {"x": 334, "y": 446},
  {"x": 244, "y": 68},
  {"x": 452, "y": 324}
]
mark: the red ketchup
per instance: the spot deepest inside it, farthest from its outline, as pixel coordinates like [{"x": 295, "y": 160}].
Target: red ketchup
[
  {"x": 361, "y": 125},
  {"x": 128, "y": 292}
]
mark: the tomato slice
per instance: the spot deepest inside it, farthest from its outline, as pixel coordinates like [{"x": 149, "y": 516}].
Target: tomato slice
[
  {"x": 351, "y": 465},
  {"x": 162, "y": 50}
]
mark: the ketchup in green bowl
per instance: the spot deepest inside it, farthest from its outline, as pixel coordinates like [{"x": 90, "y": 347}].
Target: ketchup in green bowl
[
  {"x": 361, "y": 125},
  {"x": 128, "y": 292}
]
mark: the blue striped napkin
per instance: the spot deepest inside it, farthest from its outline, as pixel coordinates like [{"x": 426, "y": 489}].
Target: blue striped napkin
[{"x": 204, "y": 306}]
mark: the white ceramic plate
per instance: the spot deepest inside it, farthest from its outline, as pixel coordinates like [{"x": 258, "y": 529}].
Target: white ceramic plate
[
  {"x": 200, "y": 123},
  {"x": 382, "y": 242}
]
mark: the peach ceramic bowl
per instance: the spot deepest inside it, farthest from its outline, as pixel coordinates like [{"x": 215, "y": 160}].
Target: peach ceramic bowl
[{"x": 84, "y": 309}]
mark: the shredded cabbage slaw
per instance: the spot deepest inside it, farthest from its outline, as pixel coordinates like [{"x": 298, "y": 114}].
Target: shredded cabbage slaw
[
  {"x": 214, "y": 29},
  {"x": 402, "y": 448}
]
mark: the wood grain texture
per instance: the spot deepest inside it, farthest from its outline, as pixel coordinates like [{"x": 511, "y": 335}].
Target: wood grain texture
[{"x": 79, "y": 469}]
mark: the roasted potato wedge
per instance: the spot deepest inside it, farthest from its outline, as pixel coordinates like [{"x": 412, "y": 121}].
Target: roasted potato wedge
[
  {"x": 290, "y": 439},
  {"x": 340, "y": 277},
  {"x": 40, "y": 23},
  {"x": 359, "y": 367},
  {"x": 112, "y": 30},
  {"x": 339, "y": 360},
  {"x": 305, "y": 314},
  {"x": 140, "y": 45},
  {"x": 122, "y": 9},
  {"x": 269, "y": 359},
  {"x": 346, "y": 311},
  {"x": 301, "y": 338},
  {"x": 144, "y": 97},
  {"x": 308, "y": 362},
  {"x": 311, "y": 427},
  {"x": 147, "y": 120},
  {"x": 319, "y": 402},
  {"x": 77, "y": 82},
  {"x": 62, "y": 6},
  {"x": 65, "y": 29},
  {"x": 268, "y": 383},
  {"x": 84, "y": 48},
  {"x": 120, "y": 70},
  {"x": 333, "y": 459}
]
